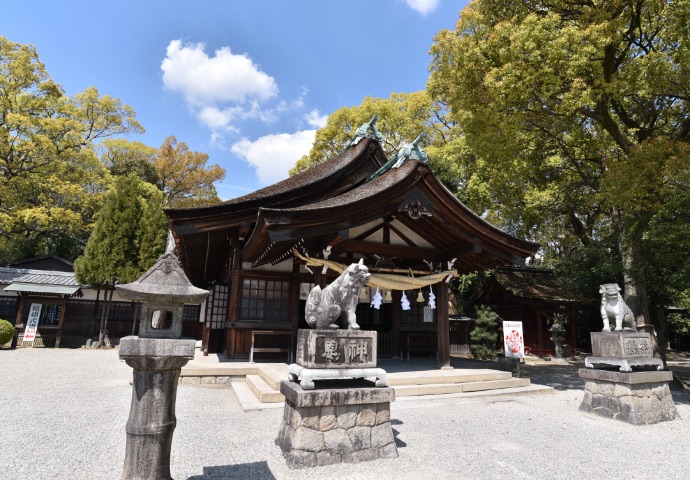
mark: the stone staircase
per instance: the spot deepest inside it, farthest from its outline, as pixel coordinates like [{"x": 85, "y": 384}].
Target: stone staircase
[{"x": 257, "y": 386}]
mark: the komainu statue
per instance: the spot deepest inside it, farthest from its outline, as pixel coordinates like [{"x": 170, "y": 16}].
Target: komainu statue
[
  {"x": 324, "y": 307},
  {"x": 613, "y": 307}
]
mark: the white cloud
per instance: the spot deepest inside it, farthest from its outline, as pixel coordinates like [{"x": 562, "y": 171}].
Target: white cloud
[
  {"x": 422, "y": 6},
  {"x": 274, "y": 155},
  {"x": 315, "y": 119},
  {"x": 224, "y": 77}
]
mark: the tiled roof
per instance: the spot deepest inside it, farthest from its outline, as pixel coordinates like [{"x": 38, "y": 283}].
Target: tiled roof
[{"x": 45, "y": 277}]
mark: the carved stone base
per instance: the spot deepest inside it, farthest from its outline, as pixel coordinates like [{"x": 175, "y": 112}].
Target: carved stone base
[
  {"x": 640, "y": 398},
  {"x": 336, "y": 425},
  {"x": 306, "y": 376},
  {"x": 624, "y": 364},
  {"x": 156, "y": 364}
]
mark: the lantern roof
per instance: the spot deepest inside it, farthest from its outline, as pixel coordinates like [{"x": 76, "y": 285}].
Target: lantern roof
[{"x": 166, "y": 282}]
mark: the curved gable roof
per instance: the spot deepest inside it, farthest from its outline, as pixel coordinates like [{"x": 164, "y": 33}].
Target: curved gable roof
[{"x": 447, "y": 224}]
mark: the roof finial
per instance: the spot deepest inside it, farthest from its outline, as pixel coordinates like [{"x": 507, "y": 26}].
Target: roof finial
[
  {"x": 366, "y": 130},
  {"x": 408, "y": 151}
]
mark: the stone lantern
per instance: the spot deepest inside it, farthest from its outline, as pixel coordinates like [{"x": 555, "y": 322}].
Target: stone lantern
[{"x": 156, "y": 355}]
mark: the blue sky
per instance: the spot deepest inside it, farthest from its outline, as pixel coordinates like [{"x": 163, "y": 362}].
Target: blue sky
[{"x": 246, "y": 81}]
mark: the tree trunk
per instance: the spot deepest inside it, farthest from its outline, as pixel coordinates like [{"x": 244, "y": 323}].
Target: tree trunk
[
  {"x": 635, "y": 291},
  {"x": 103, "y": 332}
]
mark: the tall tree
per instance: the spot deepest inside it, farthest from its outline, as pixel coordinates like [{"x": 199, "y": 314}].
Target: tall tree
[
  {"x": 184, "y": 177},
  {"x": 402, "y": 117},
  {"x": 112, "y": 255},
  {"x": 152, "y": 235},
  {"x": 565, "y": 103},
  {"x": 122, "y": 157},
  {"x": 51, "y": 182}
]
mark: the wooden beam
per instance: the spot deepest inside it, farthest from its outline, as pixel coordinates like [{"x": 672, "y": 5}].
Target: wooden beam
[
  {"x": 460, "y": 251},
  {"x": 383, "y": 250}
]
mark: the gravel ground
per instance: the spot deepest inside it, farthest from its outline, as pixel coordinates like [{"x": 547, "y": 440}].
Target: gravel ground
[{"x": 64, "y": 414}]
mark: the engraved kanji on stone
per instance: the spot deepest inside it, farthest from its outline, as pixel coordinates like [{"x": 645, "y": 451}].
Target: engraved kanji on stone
[
  {"x": 331, "y": 353},
  {"x": 355, "y": 349}
]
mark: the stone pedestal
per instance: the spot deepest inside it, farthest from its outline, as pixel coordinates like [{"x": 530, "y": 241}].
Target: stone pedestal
[
  {"x": 339, "y": 422},
  {"x": 640, "y": 398},
  {"x": 624, "y": 350},
  {"x": 335, "y": 354},
  {"x": 151, "y": 423}
]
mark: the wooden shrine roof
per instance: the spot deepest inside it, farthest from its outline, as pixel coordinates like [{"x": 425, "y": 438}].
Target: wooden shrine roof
[
  {"x": 528, "y": 285},
  {"x": 317, "y": 207},
  {"x": 441, "y": 219}
]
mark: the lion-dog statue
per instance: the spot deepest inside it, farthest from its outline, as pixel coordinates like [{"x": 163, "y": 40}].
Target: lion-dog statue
[
  {"x": 324, "y": 307},
  {"x": 613, "y": 307}
]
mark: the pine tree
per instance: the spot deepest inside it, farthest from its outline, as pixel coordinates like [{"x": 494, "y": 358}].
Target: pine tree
[{"x": 483, "y": 336}]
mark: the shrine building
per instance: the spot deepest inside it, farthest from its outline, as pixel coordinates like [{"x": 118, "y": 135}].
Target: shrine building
[{"x": 261, "y": 254}]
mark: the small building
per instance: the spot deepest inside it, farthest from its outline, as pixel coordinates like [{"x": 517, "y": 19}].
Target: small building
[
  {"x": 70, "y": 312},
  {"x": 252, "y": 252},
  {"x": 534, "y": 297}
]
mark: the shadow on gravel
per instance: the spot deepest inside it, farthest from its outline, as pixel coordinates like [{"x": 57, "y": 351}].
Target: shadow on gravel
[{"x": 255, "y": 471}]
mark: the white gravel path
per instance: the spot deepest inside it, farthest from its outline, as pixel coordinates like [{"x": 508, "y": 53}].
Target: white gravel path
[{"x": 64, "y": 413}]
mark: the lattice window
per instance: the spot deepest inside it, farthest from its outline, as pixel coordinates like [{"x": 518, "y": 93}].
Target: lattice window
[
  {"x": 8, "y": 308},
  {"x": 219, "y": 309},
  {"x": 265, "y": 300},
  {"x": 190, "y": 313}
]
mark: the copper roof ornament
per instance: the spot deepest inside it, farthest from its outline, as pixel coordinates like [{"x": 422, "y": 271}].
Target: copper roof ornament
[
  {"x": 366, "y": 130},
  {"x": 409, "y": 151}
]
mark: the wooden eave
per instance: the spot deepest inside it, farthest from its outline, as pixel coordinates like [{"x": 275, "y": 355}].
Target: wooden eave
[
  {"x": 202, "y": 234},
  {"x": 452, "y": 229}
]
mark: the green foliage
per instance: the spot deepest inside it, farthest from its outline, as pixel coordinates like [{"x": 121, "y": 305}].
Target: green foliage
[
  {"x": 466, "y": 289},
  {"x": 577, "y": 115},
  {"x": 112, "y": 252},
  {"x": 51, "y": 182},
  {"x": 402, "y": 117},
  {"x": 122, "y": 157},
  {"x": 6, "y": 331},
  {"x": 153, "y": 230},
  {"x": 484, "y": 334}
]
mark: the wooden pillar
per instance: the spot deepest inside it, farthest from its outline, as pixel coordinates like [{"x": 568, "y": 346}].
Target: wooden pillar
[
  {"x": 63, "y": 310},
  {"x": 442, "y": 332},
  {"x": 540, "y": 333},
  {"x": 396, "y": 312},
  {"x": 235, "y": 296},
  {"x": 18, "y": 322},
  {"x": 206, "y": 330},
  {"x": 573, "y": 335}
]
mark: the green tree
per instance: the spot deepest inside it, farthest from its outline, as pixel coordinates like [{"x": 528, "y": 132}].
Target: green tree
[
  {"x": 51, "y": 182},
  {"x": 152, "y": 234},
  {"x": 184, "y": 177},
  {"x": 111, "y": 254},
  {"x": 402, "y": 117},
  {"x": 122, "y": 157},
  {"x": 577, "y": 113},
  {"x": 484, "y": 334}
]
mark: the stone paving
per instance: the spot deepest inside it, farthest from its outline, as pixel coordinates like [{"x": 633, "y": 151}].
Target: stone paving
[{"x": 64, "y": 415}]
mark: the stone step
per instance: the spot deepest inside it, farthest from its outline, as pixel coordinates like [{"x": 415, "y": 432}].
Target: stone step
[
  {"x": 445, "y": 388},
  {"x": 446, "y": 376},
  {"x": 263, "y": 390},
  {"x": 530, "y": 390},
  {"x": 273, "y": 374},
  {"x": 247, "y": 399}
]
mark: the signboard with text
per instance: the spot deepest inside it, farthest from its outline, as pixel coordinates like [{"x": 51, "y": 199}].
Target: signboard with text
[
  {"x": 32, "y": 322},
  {"x": 513, "y": 340}
]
